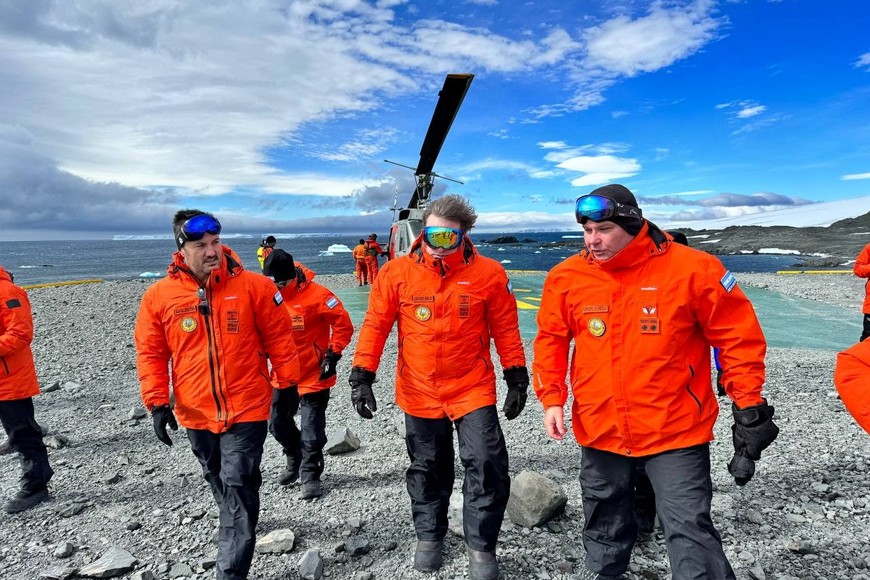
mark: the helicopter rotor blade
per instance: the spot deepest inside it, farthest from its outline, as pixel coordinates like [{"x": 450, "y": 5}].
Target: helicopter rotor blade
[{"x": 449, "y": 100}]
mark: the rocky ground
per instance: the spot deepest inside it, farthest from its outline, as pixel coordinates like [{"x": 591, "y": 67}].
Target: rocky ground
[{"x": 805, "y": 515}]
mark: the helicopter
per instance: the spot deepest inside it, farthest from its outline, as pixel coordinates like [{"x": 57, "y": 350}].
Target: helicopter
[{"x": 408, "y": 222}]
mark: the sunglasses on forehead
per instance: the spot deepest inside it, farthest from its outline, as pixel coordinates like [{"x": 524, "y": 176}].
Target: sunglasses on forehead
[
  {"x": 196, "y": 227},
  {"x": 442, "y": 238},
  {"x": 599, "y": 207}
]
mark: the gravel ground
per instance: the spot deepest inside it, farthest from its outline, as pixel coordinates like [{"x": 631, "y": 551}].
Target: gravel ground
[{"x": 805, "y": 515}]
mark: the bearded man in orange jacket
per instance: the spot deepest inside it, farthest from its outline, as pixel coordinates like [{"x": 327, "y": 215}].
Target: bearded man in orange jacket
[
  {"x": 450, "y": 304},
  {"x": 211, "y": 329},
  {"x": 322, "y": 329},
  {"x": 18, "y": 386},
  {"x": 642, "y": 312}
]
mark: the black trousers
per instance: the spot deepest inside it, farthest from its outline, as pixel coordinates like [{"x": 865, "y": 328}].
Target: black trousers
[
  {"x": 231, "y": 466},
  {"x": 644, "y": 494},
  {"x": 683, "y": 492},
  {"x": 486, "y": 487},
  {"x": 305, "y": 447},
  {"x": 25, "y": 437},
  {"x": 866, "y": 330}
]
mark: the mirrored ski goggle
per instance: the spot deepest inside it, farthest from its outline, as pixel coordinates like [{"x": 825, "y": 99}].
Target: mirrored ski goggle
[
  {"x": 442, "y": 238},
  {"x": 198, "y": 226},
  {"x": 599, "y": 207}
]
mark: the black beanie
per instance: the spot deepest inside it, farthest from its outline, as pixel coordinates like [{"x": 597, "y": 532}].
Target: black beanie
[
  {"x": 280, "y": 266},
  {"x": 623, "y": 195}
]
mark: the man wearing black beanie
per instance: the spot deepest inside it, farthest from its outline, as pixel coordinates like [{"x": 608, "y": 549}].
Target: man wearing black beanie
[{"x": 642, "y": 312}]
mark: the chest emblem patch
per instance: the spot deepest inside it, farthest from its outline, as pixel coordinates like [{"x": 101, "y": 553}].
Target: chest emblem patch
[
  {"x": 596, "y": 327},
  {"x": 422, "y": 313},
  {"x": 188, "y": 324}
]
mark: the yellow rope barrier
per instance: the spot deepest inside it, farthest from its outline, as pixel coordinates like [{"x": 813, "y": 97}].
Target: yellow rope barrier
[{"x": 66, "y": 283}]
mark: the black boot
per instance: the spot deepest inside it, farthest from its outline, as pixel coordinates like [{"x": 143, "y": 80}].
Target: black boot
[
  {"x": 429, "y": 555},
  {"x": 25, "y": 499},
  {"x": 482, "y": 565},
  {"x": 290, "y": 475}
]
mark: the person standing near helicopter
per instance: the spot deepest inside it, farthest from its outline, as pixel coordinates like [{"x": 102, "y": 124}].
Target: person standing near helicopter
[
  {"x": 373, "y": 251},
  {"x": 450, "y": 304}
]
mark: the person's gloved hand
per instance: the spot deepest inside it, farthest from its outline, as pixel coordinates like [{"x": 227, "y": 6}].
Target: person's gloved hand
[
  {"x": 517, "y": 379},
  {"x": 328, "y": 364},
  {"x": 753, "y": 431},
  {"x": 163, "y": 416},
  {"x": 286, "y": 401},
  {"x": 361, "y": 392}
]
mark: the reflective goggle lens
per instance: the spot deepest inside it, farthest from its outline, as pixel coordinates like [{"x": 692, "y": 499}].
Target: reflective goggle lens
[
  {"x": 196, "y": 227},
  {"x": 599, "y": 207},
  {"x": 442, "y": 238}
]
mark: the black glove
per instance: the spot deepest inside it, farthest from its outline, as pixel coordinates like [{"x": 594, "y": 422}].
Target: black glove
[
  {"x": 720, "y": 387},
  {"x": 517, "y": 379},
  {"x": 752, "y": 432},
  {"x": 162, "y": 416},
  {"x": 327, "y": 365},
  {"x": 361, "y": 391}
]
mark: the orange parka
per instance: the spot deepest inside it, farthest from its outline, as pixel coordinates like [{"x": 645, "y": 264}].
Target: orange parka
[
  {"x": 642, "y": 324},
  {"x": 852, "y": 379},
  {"x": 220, "y": 349},
  {"x": 320, "y": 322},
  {"x": 862, "y": 270},
  {"x": 17, "y": 370},
  {"x": 448, "y": 312}
]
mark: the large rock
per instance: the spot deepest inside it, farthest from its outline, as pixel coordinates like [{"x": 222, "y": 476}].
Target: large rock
[
  {"x": 534, "y": 500},
  {"x": 311, "y": 565},
  {"x": 113, "y": 563},
  {"x": 276, "y": 542},
  {"x": 341, "y": 441}
]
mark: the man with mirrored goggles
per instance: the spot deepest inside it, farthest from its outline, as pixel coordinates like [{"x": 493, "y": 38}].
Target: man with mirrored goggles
[
  {"x": 631, "y": 320},
  {"x": 451, "y": 304},
  {"x": 210, "y": 313}
]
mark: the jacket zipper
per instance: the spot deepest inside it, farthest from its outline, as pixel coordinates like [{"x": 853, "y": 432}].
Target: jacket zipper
[{"x": 213, "y": 365}]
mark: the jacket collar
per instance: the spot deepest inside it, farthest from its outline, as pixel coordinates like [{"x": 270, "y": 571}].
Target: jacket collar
[
  {"x": 230, "y": 267},
  {"x": 649, "y": 241}
]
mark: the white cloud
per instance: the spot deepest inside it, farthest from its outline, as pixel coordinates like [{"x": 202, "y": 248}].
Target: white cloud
[
  {"x": 629, "y": 47},
  {"x": 863, "y": 61},
  {"x": 599, "y": 169},
  {"x": 855, "y": 176},
  {"x": 750, "y": 111}
]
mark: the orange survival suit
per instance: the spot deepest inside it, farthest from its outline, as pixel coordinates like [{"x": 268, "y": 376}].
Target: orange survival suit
[
  {"x": 373, "y": 250},
  {"x": 447, "y": 314},
  {"x": 17, "y": 369},
  {"x": 361, "y": 269},
  {"x": 220, "y": 360},
  {"x": 852, "y": 378},
  {"x": 663, "y": 304}
]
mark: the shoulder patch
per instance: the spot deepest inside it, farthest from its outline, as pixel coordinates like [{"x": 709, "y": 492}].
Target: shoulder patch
[
  {"x": 510, "y": 287},
  {"x": 13, "y": 303},
  {"x": 277, "y": 298},
  {"x": 728, "y": 281},
  {"x": 331, "y": 302}
]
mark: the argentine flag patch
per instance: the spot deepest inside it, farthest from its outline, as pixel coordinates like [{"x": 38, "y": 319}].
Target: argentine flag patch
[
  {"x": 728, "y": 281},
  {"x": 278, "y": 299},
  {"x": 510, "y": 288},
  {"x": 332, "y": 302}
]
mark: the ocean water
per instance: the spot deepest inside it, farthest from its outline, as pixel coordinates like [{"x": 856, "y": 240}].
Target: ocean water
[{"x": 59, "y": 261}]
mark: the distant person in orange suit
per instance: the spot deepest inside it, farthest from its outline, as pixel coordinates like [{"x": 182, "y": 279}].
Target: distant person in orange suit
[
  {"x": 373, "y": 251},
  {"x": 862, "y": 270},
  {"x": 359, "y": 256}
]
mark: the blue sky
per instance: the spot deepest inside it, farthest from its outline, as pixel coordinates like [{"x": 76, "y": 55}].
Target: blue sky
[{"x": 277, "y": 115}]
